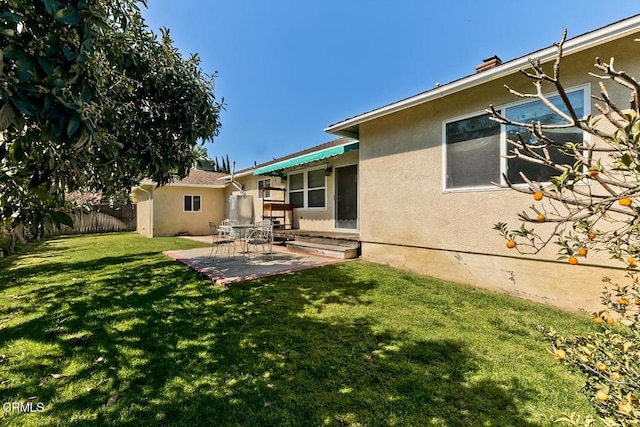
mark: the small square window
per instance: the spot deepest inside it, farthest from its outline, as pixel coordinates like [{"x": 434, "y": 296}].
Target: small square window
[{"x": 192, "y": 203}]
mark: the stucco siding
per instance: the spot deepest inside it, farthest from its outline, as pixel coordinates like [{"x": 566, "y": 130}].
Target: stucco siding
[
  {"x": 144, "y": 210},
  {"x": 170, "y": 217},
  {"x": 312, "y": 219},
  {"x": 405, "y": 207},
  {"x": 556, "y": 283}
]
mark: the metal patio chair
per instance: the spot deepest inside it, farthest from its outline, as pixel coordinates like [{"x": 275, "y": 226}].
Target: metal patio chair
[
  {"x": 261, "y": 236},
  {"x": 220, "y": 238},
  {"x": 227, "y": 226}
]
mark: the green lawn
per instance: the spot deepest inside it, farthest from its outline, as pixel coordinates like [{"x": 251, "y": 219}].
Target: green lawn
[{"x": 106, "y": 330}]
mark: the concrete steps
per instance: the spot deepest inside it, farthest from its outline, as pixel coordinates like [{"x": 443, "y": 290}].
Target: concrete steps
[{"x": 329, "y": 247}]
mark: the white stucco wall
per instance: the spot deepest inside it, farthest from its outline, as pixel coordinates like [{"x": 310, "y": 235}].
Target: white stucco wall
[
  {"x": 144, "y": 210},
  {"x": 311, "y": 219},
  {"x": 408, "y": 221},
  {"x": 170, "y": 218}
]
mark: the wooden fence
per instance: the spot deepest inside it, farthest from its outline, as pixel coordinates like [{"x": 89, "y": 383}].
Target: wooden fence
[{"x": 101, "y": 219}]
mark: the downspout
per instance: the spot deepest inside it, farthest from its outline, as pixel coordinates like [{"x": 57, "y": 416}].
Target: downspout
[{"x": 237, "y": 185}]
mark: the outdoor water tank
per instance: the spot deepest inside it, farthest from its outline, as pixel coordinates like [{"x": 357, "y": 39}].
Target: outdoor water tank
[{"x": 240, "y": 208}]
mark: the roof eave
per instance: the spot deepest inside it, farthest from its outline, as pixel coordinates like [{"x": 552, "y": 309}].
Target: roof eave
[
  {"x": 351, "y": 127},
  {"x": 186, "y": 184},
  {"x": 248, "y": 172},
  {"x": 150, "y": 183}
]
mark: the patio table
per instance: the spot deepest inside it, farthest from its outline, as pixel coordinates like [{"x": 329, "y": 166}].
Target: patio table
[{"x": 242, "y": 230}]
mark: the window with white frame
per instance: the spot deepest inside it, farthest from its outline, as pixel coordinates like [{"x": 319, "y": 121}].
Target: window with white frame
[
  {"x": 262, "y": 184},
  {"x": 192, "y": 203},
  {"x": 474, "y": 146},
  {"x": 296, "y": 190},
  {"x": 308, "y": 189}
]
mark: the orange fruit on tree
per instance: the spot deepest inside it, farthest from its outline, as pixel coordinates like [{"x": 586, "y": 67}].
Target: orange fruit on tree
[
  {"x": 625, "y": 201},
  {"x": 540, "y": 218},
  {"x": 623, "y": 301},
  {"x": 511, "y": 244},
  {"x": 592, "y": 235},
  {"x": 582, "y": 251},
  {"x": 601, "y": 396},
  {"x": 573, "y": 260},
  {"x": 601, "y": 366},
  {"x": 631, "y": 260},
  {"x": 538, "y": 195},
  {"x": 593, "y": 173},
  {"x": 611, "y": 321},
  {"x": 598, "y": 319}
]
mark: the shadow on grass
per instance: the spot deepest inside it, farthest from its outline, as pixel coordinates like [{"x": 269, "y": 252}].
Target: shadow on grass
[{"x": 176, "y": 351}]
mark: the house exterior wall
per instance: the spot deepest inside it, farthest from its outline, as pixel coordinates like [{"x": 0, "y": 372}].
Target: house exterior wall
[
  {"x": 323, "y": 219},
  {"x": 407, "y": 220},
  {"x": 250, "y": 183},
  {"x": 170, "y": 218},
  {"x": 144, "y": 211},
  {"x": 311, "y": 219}
]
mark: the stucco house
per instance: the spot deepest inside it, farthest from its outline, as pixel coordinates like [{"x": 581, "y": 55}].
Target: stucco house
[
  {"x": 426, "y": 199},
  {"x": 182, "y": 207},
  {"x": 413, "y": 187},
  {"x": 317, "y": 185},
  {"x": 314, "y": 190}
]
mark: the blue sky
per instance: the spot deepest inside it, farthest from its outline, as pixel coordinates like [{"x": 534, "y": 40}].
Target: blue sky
[{"x": 288, "y": 69}]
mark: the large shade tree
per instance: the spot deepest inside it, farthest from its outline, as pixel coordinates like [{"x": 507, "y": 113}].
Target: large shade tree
[{"x": 91, "y": 99}]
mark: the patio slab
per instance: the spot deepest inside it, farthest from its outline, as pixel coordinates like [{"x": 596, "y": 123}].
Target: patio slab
[{"x": 225, "y": 269}]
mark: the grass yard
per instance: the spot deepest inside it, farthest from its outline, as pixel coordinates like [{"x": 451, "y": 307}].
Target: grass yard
[{"x": 105, "y": 330}]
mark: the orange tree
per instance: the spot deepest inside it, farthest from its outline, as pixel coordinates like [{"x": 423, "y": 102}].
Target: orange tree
[{"x": 590, "y": 204}]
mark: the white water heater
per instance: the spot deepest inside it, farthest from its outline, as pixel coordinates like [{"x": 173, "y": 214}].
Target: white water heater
[{"x": 240, "y": 208}]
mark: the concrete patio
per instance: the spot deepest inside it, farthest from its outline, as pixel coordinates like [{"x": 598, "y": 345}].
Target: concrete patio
[{"x": 226, "y": 269}]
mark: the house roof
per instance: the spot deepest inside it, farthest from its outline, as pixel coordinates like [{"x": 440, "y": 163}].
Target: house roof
[
  {"x": 351, "y": 127},
  {"x": 318, "y": 148},
  {"x": 196, "y": 178}
]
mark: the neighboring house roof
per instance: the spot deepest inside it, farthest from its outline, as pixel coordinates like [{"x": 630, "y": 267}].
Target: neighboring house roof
[
  {"x": 196, "y": 178},
  {"x": 351, "y": 127},
  {"x": 303, "y": 157}
]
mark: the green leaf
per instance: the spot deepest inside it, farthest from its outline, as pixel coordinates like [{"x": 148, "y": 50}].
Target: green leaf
[
  {"x": 68, "y": 15},
  {"x": 7, "y": 116},
  {"x": 16, "y": 151},
  {"x": 68, "y": 54},
  {"x": 21, "y": 104},
  {"x": 61, "y": 218},
  {"x": 82, "y": 141},
  {"x": 46, "y": 65},
  {"x": 10, "y": 17},
  {"x": 51, "y": 6},
  {"x": 74, "y": 124}
]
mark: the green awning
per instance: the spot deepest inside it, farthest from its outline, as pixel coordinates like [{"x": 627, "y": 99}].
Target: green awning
[{"x": 276, "y": 169}]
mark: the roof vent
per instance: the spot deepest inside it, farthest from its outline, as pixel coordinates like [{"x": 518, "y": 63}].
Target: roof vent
[{"x": 488, "y": 63}]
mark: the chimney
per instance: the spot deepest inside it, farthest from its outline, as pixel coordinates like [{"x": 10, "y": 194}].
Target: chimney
[{"x": 488, "y": 63}]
